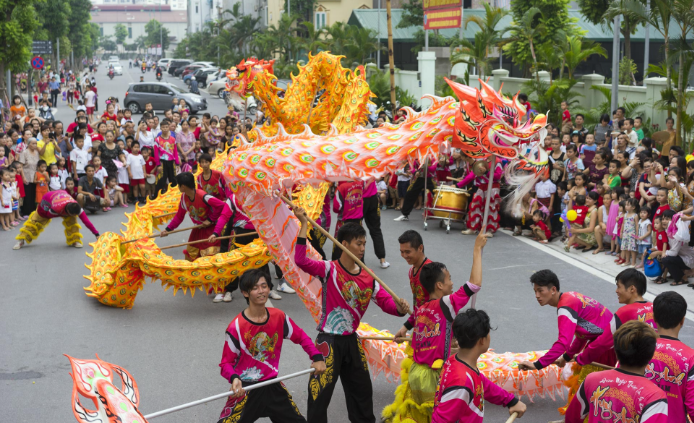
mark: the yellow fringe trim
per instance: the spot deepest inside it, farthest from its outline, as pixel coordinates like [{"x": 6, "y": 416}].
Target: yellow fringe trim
[
  {"x": 32, "y": 228},
  {"x": 403, "y": 409},
  {"x": 72, "y": 230}
]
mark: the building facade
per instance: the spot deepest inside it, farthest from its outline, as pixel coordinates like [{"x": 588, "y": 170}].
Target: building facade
[{"x": 175, "y": 4}]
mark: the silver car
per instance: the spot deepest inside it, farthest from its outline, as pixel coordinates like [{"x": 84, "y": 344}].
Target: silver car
[{"x": 160, "y": 94}]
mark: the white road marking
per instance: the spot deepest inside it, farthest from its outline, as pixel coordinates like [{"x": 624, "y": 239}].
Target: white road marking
[{"x": 649, "y": 296}]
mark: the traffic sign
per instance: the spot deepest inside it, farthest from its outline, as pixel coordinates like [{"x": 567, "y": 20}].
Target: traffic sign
[
  {"x": 42, "y": 47},
  {"x": 37, "y": 63}
]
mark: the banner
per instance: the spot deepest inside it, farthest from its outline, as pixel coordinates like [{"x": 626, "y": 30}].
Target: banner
[
  {"x": 442, "y": 18},
  {"x": 437, "y": 4}
]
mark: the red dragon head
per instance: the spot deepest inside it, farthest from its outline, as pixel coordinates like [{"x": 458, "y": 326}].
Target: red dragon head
[
  {"x": 489, "y": 123},
  {"x": 241, "y": 77}
]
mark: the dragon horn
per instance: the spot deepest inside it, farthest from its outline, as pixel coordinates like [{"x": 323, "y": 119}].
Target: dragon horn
[{"x": 463, "y": 92}]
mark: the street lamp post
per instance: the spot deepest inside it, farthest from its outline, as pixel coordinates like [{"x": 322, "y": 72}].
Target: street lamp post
[
  {"x": 615, "y": 63},
  {"x": 161, "y": 30}
]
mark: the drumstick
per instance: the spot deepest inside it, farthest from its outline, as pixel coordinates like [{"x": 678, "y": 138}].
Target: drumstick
[
  {"x": 158, "y": 235},
  {"x": 204, "y": 240},
  {"x": 454, "y": 179},
  {"x": 349, "y": 253}
]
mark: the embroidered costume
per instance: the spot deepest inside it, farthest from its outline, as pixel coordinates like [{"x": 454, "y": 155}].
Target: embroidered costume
[
  {"x": 345, "y": 298},
  {"x": 53, "y": 205},
  {"x": 672, "y": 369},
  {"x": 252, "y": 353},
  {"x": 479, "y": 198},
  {"x": 201, "y": 208},
  {"x": 213, "y": 186}
]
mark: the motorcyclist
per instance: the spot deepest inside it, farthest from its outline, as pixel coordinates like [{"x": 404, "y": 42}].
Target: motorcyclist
[
  {"x": 159, "y": 71},
  {"x": 144, "y": 66}
]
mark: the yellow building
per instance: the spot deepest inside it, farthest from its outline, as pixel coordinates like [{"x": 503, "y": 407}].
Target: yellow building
[{"x": 326, "y": 13}]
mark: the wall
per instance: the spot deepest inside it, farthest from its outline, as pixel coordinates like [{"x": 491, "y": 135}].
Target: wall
[
  {"x": 339, "y": 10},
  {"x": 648, "y": 94}
]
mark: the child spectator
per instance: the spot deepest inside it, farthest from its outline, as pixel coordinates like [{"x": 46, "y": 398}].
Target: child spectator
[
  {"x": 661, "y": 198},
  {"x": 114, "y": 193},
  {"x": 62, "y": 172},
  {"x": 588, "y": 150},
  {"x": 41, "y": 179},
  {"x": 4, "y": 161},
  {"x": 382, "y": 188},
  {"x": 6, "y": 198},
  {"x": 70, "y": 187},
  {"x": 612, "y": 179},
  {"x": 404, "y": 176},
  {"x": 579, "y": 187},
  {"x": 628, "y": 235},
  {"x": 136, "y": 172},
  {"x": 573, "y": 164},
  {"x": 618, "y": 230},
  {"x": 645, "y": 230},
  {"x": 79, "y": 158},
  {"x": 19, "y": 183},
  {"x": 540, "y": 230},
  {"x": 637, "y": 127},
  {"x": 558, "y": 208},
  {"x": 123, "y": 179},
  {"x": 214, "y": 135},
  {"x": 54, "y": 184},
  {"x": 545, "y": 191}
]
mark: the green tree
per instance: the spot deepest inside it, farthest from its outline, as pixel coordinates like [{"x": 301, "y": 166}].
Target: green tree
[
  {"x": 314, "y": 40},
  {"x": 683, "y": 15},
  {"x": 579, "y": 51},
  {"x": 121, "y": 33},
  {"x": 629, "y": 22},
  {"x": 553, "y": 16},
  {"x": 82, "y": 39},
  {"x": 362, "y": 45},
  {"x": 16, "y": 30},
  {"x": 473, "y": 53},
  {"x": 526, "y": 31},
  {"x": 154, "y": 36},
  {"x": 412, "y": 14},
  {"x": 54, "y": 18},
  {"x": 108, "y": 44}
]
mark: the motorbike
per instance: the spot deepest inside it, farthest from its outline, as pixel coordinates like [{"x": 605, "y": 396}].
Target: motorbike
[
  {"x": 111, "y": 74},
  {"x": 159, "y": 76},
  {"x": 144, "y": 69},
  {"x": 240, "y": 104}
]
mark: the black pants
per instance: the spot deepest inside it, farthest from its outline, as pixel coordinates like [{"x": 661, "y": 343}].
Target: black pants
[
  {"x": 337, "y": 251},
  {"x": 29, "y": 204},
  {"x": 54, "y": 97},
  {"x": 315, "y": 240},
  {"x": 372, "y": 218},
  {"x": 345, "y": 360},
  {"x": 413, "y": 193},
  {"x": 675, "y": 266},
  {"x": 225, "y": 247},
  {"x": 273, "y": 401},
  {"x": 168, "y": 176}
]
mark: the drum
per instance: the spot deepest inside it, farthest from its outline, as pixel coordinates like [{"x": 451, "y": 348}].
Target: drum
[{"x": 452, "y": 199}]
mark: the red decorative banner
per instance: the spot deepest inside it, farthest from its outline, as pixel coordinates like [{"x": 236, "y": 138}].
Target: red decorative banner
[
  {"x": 442, "y": 18},
  {"x": 437, "y": 4}
]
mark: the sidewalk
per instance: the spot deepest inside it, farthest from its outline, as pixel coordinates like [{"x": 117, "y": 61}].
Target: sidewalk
[{"x": 602, "y": 266}]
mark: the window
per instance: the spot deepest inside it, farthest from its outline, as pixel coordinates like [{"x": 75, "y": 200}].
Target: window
[
  {"x": 101, "y": 31},
  {"x": 130, "y": 32},
  {"x": 320, "y": 20},
  {"x": 196, "y": 8}
]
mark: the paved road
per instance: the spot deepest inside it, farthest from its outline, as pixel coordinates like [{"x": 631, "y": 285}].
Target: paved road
[{"x": 172, "y": 345}]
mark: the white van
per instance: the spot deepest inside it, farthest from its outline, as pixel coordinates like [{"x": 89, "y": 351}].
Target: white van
[
  {"x": 164, "y": 63},
  {"x": 114, "y": 59}
]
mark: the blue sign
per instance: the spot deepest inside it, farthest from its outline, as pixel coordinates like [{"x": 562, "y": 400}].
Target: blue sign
[{"x": 37, "y": 63}]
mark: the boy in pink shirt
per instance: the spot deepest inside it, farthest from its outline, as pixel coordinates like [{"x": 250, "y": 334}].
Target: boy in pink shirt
[
  {"x": 432, "y": 333},
  {"x": 251, "y": 354},
  {"x": 347, "y": 292},
  {"x": 623, "y": 394},
  {"x": 672, "y": 365},
  {"x": 463, "y": 391}
]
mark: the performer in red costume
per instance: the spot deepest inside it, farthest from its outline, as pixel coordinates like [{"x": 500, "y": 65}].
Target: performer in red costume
[
  {"x": 463, "y": 391},
  {"x": 623, "y": 394},
  {"x": 631, "y": 285},
  {"x": 672, "y": 365},
  {"x": 251, "y": 354},
  {"x": 55, "y": 204},
  {"x": 580, "y": 319},
  {"x": 347, "y": 291},
  {"x": 203, "y": 209},
  {"x": 209, "y": 180},
  {"x": 480, "y": 178},
  {"x": 412, "y": 250},
  {"x": 348, "y": 203}
]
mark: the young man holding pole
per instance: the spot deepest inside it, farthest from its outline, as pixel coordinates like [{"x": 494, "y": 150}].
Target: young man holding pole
[
  {"x": 432, "y": 332},
  {"x": 347, "y": 291},
  {"x": 412, "y": 250},
  {"x": 251, "y": 355},
  {"x": 204, "y": 210}
]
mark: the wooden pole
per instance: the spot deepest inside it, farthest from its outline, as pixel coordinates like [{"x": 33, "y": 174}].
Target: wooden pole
[
  {"x": 158, "y": 235},
  {"x": 485, "y": 218},
  {"x": 349, "y": 253},
  {"x": 512, "y": 418},
  {"x": 164, "y": 215},
  {"x": 204, "y": 240},
  {"x": 385, "y": 338},
  {"x": 391, "y": 59},
  {"x": 602, "y": 366}
]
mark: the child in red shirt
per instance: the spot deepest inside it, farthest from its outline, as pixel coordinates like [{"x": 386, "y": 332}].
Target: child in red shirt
[
  {"x": 581, "y": 211},
  {"x": 566, "y": 125},
  {"x": 660, "y": 236},
  {"x": 661, "y": 198},
  {"x": 540, "y": 230},
  {"x": 19, "y": 179}
]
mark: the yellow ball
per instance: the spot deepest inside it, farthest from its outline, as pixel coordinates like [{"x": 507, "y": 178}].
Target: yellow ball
[
  {"x": 561, "y": 219},
  {"x": 571, "y": 215}
]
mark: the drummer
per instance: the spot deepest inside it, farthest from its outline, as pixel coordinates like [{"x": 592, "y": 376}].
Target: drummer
[{"x": 441, "y": 168}]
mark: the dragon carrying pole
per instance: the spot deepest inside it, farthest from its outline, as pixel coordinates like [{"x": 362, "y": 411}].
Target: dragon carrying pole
[{"x": 487, "y": 202}]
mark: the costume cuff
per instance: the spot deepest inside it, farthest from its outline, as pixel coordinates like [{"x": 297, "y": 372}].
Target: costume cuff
[
  {"x": 301, "y": 241},
  {"x": 233, "y": 377},
  {"x": 167, "y": 229},
  {"x": 537, "y": 364},
  {"x": 215, "y": 234},
  {"x": 318, "y": 357},
  {"x": 567, "y": 357},
  {"x": 408, "y": 325},
  {"x": 511, "y": 403}
]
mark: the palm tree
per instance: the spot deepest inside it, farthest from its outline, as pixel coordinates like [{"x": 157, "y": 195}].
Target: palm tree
[
  {"x": 315, "y": 38},
  {"x": 361, "y": 45},
  {"x": 630, "y": 21},
  {"x": 339, "y": 37},
  {"x": 474, "y": 54},
  {"x": 526, "y": 32},
  {"x": 552, "y": 54},
  {"x": 488, "y": 24},
  {"x": 579, "y": 51},
  {"x": 683, "y": 15}
]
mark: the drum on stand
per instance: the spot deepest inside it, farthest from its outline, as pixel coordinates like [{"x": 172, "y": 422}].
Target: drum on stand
[{"x": 450, "y": 202}]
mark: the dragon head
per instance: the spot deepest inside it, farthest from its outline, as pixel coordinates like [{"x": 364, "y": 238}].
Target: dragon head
[
  {"x": 488, "y": 123},
  {"x": 240, "y": 78}
]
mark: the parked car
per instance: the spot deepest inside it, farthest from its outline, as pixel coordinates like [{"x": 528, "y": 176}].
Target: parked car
[
  {"x": 205, "y": 64},
  {"x": 160, "y": 95},
  {"x": 200, "y": 76},
  {"x": 177, "y": 63},
  {"x": 218, "y": 87},
  {"x": 181, "y": 72},
  {"x": 164, "y": 63}
]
